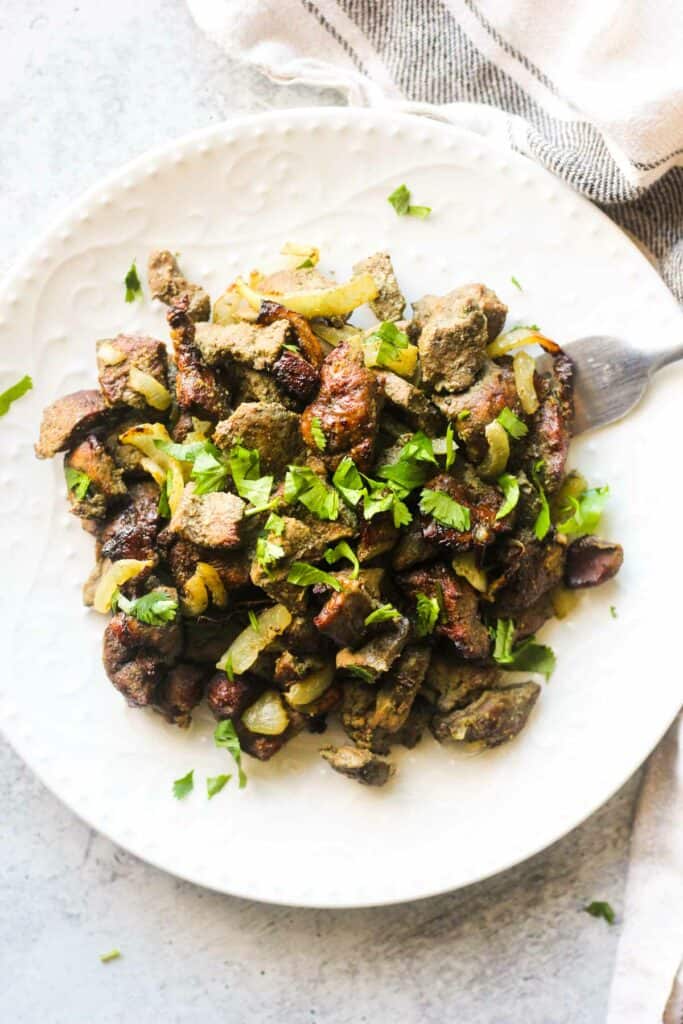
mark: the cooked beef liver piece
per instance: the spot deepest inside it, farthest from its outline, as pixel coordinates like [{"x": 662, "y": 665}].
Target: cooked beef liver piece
[
  {"x": 140, "y": 352},
  {"x": 136, "y": 655},
  {"x": 452, "y": 342},
  {"x": 377, "y": 536},
  {"x": 493, "y": 718},
  {"x": 531, "y": 568},
  {"x": 266, "y": 426},
  {"x": 460, "y": 621},
  {"x": 200, "y": 389},
  {"x": 132, "y": 532},
  {"x": 213, "y": 520},
  {"x": 342, "y": 617},
  {"x": 492, "y": 391},
  {"x": 232, "y": 566},
  {"x": 453, "y": 684},
  {"x": 227, "y": 698},
  {"x": 378, "y": 654},
  {"x": 258, "y": 347},
  {"x": 360, "y": 765},
  {"x": 91, "y": 457},
  {"x": 69, "y": 419},
  {"x": 167, "y": 283},
  {"x": 591, "y": 561},
  {"x": 551, "y": 426},
  {"x": 399, "y": 689},
  {"x": 390, "y": 303},
  {"x": 348, "y": 407},
  {"x": 180, "y": 692},
  {"x": 309, "y": 343},
  {"x": 477, "y": 295},
  {"x": 126, "y": 456},
  {"x": 296, "y": 378},
  {"x": 483, "y": 501},
  {"x": 411, "y": 404}
]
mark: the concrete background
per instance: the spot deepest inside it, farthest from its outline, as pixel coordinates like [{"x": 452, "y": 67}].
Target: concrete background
[{"x": 85, "y": 87}]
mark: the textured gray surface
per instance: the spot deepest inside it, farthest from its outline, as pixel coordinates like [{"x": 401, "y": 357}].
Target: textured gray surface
[{"x": 83, "y": 89}]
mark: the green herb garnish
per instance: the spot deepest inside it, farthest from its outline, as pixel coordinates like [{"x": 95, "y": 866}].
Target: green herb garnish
[
  {"x": 384, "y": 613},
  {"x": 306, "y": 487},
  {"x": 155, "y": 608},
  {"x": 210, "y": 469},
  {"x": 226, "y": 665},
  {"x": 391, "y": 343},
  {"x": 163, "y": 508},
  {"x": 132, "y": 283},
  {"x": 348, "y": 481},
  {"x": 464, "y": 414},
  {"x": 303, "y": 574},
  {"x": 400, "y": 200},
  {"x": 343, "y": 550},
  {"x": 14, "y": 392},
  {"x": 428, "y": 611},
  {"x": 318, "y": 435},
  {"x": 509, "y": 485},
  {"x": 527, "y": 656},
  {"x": 113, "y": 954},
  {"x": 77, "y": 482},
  {"x": 215, "y": 783},
  {"x": 516, "y": 284},
  {"x": 599, "y": 908},
  {"x": 360, "y": 673},
  {"x": 515, "y": 427},
  {"x": 307, "y": 264},
  {"x": 613, "y": 612},
  {"x": 445, "y": 509},
  {"x": 253, "y": 621},
  {"x": 542, "y": 524},
  {"x": 181, "y": 787},
  {"x": 268, "y": 552},
  {"x": 584, "y": 513},
  {"x": 225, "y": 736},
  {"x": 413, "y": 466},
  {"x": 384, "y": 498},
  {"x": 245, "y": 467}
]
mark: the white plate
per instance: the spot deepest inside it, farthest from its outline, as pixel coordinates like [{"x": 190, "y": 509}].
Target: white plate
[{"x": 227, "y": 199}]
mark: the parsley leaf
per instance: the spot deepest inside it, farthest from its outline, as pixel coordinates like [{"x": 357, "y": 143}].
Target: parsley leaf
[
  {"x": 391, "y": 343},
  {"x": 228, "y": 669},
  {"x": 132, "y": 283},
  {"x": 586, "y": 511},
  {"x": 514, "y": 426},
  {"x": 385, "y": 498},
  {"x": 360, "y": 673},
  {"x": 155, "y": 608},
  {"x": 343, "y": 550},
  {"x": 444, "y": 509},
  {"x": 428, "y": 612},
  {"x": 412, "y": 466},
  {"x": 509, "y": 485},
  {"x": 303, "y": 574},
  {"x": 400, "y": 200},
  {"x": 384, "y": 613},
  {"x": 599, "y": 908},
  {"x": 305, "y": 486},
  {"x": 542, "y": 524},
  {"x": 306, "y": 265},
  {"x": 613, "y": 612},
  {"x": 348, "y": 481},
  {"x": 215, "y": 783},
  {"x": 14, "y": 392},
  {"x": 245, "y": 467},
  {"x": 163, "y": 508},
  {"x": 450, "y": 446},
  {"x": 527, "y": 656},
  {"x": 292, "y": 348},
  {"x": 77, "y": 482},
  {"x": 516, "y": 284},
  {"x": 113, "y": 954},
  {"x": 225, "y": 736},
  {"x": 318, "y": 435},
  {"x": 209, "y": 467},
  {"x": 182, "y": 787},
  {"x": 267, "y": 551},
  {"x": 253, "y": 621},
  {"x": 464, "y": 414}
]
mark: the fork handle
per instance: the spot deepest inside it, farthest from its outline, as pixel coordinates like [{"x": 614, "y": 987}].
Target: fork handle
[{"x": 669, "y": 355}]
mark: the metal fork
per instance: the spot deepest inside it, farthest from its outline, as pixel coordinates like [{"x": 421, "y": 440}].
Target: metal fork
[{"x": 611, "y": 377}]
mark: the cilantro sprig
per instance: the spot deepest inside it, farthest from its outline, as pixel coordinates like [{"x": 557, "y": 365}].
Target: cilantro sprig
[
  {"x": 303, "y": 574},
  {"x": 183, "y": 787},
  {"x": 445, "y": 509},
  {"x": 343, "y": 550},
  {"x": 584, "y": 513},
  {"x": 385, "y": 613},
  {"x": 428, "y": 611},
  {"x": 515, "y": 427},
  {"x": 391, "y": 343},
  {"x": 542, "y": 524},
  {"x": 526, "y": 656},
  {"x": 400, "y": 200},
  {"x": 132, "y": 284},
  {"x": 311, "y": 491},
  {"x": 226, "y": 738},
  {"x": 77, "y": 482},
  {"x": 155, "y": 608}
]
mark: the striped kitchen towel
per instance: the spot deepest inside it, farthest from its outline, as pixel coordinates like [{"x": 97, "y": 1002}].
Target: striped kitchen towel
[{"x": 592, "y": 91}]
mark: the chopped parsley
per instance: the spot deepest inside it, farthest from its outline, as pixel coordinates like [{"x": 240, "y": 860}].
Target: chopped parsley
[
  {"x": 155, "y": 608},
  {"x": 215, "y": 783},
  {"x": 268, "y": 552},
  {"x": 307, "y": 264},
  {"x": 509, "y": 485},
  {"x": 384, "y": 498},
  {"x": 613, "y": 612},
  {"x": 600, "y": 908},
  {"x": 515, "y": 427},
  {"x": 400, "y": 200},
  {"x": 210, "y": 470},
  {"x": 292, "y": 348},
  {"x": 245, "y": 467},
  {"x": 183, "y": 787},
  {"x": 14, "y": 392},
  {"x": 450, "y": 446},
  {"x": 527, "y": 656},
  {"x": 303, "y": 574},
  {"x": 360, "y": 673},
  {"x": 163, "y": 508},
  {"x": 318, "y": 435},
  {"x": 584, "y": 513},
  {"x": 445, "y": 509},
  {"x": 413, "y": 465},
  {"x": 391, "y": 343},
  {"x": 343, "y": 550},
  {"x": 314, "y": 493},
  {"x": 464, "y": 414},
  {"x": 113, "y": 954},
  {"x": 77, "y": 482},
  {"x": 132, "y": 283},
  {"x": 516, "y": 284},
  {"x": 348, "y": 481},
  {"x": 384, "y": 613},
  {"x": 428, "y": 611},
  {"x": 542, "y": 524},
  {"x": 227, "y": 667},
  {"x": 225, "y": 736},
  {"x": 253, "y": 621}
]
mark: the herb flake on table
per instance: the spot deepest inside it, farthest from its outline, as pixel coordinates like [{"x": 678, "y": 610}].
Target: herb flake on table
[
  {"x": 225, "y": 737},
  {"x": 215, "y": 783},
  {"x": 600, "y": 908},
  {"x": 14, "y": 392},
  {"x": 113, "y": 954},
  {"x": 516, "y": 284},
  {"x": 400, "y": 200},
  {"x": 183, "y": 787},
  {"x": 385, "y": 613},
  {"x": 132, "y": 284}
]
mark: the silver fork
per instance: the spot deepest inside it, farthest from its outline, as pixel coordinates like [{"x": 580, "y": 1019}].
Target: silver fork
[{"x": 611, "y": 377}]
